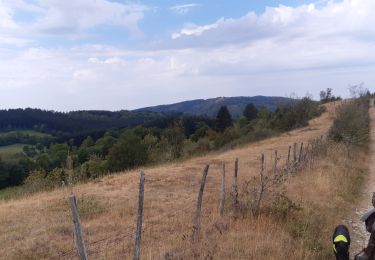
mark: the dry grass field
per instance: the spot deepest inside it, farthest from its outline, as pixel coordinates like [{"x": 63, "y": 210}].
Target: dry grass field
[{"x": 39, "y": 226}]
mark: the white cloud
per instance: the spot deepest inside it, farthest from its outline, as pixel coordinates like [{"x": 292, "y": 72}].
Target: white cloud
[
  {"x": 110, "y": 60},
  {"x": 13, "y": 41},
  {"x": 349, "y": 18},
  {"x": 72, "y": 18},
  {"x": 6, "y": 18},
  {"x": 338, "y": 34},
  {"x": 283, "y": 50},
  {"x": 193, "y": 30},
  {"x": 183, "y": 9}
]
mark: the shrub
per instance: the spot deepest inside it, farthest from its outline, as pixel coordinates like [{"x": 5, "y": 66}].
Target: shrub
[
  {"x": 93, "y": 168},
  {"x": 295, "y": 115},
  {"x": 130, "y": 151},
  {"x": 351, "y": 125},
  {"x": 228, "y": 136},
  {"x": 36, "y": 181},
  {"x": 56, "y": 177}
]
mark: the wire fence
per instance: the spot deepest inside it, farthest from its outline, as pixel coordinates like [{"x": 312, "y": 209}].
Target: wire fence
[{"x": 275, "y": 170}]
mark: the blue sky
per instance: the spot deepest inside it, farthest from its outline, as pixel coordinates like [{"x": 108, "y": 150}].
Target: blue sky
[
  {"x": 161, "y": 18},
  {"x": 102, "y": 54}
]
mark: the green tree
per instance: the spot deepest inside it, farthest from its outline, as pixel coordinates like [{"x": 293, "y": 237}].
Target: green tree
[
  {"x": 223, "y": 119},
  {"x": 82, "y": 155},
  {"x": 3, "y": 174},
  {"x": 58, "y": 154},
  {"x": 29, "y": 151},
  {"x": 93, "y": 168},
  {"x": 88, "y": 142},
  {"x": 175, "y": 136},
  {"x": 250, "y": 112},
  {"x": 43, "y": 162},
  {"x": 130, "y": 151},
  {"x": 201, "y": 131},
  {"x": 263, "y": 113},
  {"x": 40, "y": 147},
  {"x": 105, "y": 143},
  {"x": 150, "y": 141}
]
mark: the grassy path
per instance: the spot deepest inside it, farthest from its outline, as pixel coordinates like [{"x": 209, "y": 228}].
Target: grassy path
[{"x": 359, "y": 233}]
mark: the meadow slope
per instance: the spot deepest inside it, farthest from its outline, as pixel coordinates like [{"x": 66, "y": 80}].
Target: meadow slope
[{"x": 39, "y": 226}]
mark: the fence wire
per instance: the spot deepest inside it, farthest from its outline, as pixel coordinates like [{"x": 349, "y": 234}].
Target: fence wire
[{"x": 111, "y": 241}]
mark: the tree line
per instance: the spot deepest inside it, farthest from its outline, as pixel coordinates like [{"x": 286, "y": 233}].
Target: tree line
[{"x": 73, "y": 123}]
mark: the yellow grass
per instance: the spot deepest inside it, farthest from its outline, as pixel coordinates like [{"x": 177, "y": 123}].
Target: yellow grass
[{"x": 39, "y": 226}]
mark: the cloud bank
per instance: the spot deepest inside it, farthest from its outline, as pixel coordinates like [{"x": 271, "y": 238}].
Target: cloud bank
[{"x": 283, "y": 50}]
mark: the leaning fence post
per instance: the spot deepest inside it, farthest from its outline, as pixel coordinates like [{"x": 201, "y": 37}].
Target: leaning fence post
[
  {"x": 222, "y": 191},
  {"x": 138, "y": 234},
  {"x": 78, "y": 234},
  {"x": 235, "y": 184},
  {"x": 300, "y": 153},
  {"x": 261, "y": 184},
  {"x": 294, "y": 153},
  {"x": 197, "y": 224}
]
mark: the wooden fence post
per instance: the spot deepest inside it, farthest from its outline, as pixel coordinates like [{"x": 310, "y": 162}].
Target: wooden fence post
[
  {"x": 261, "y": 184},
  {"x": 138, "y": 234},
  {"x": 78, "y": 234},
  {"x": 222, "y": 191},
  {"x": 275, "y": 163},
  {"x": 300, "y": 153},
  {"x": 197, "y": 224},
  {"x": 235, "y": 184},
  {"x": 294, "y": 154},
  {"x": 288, "y": 159}
]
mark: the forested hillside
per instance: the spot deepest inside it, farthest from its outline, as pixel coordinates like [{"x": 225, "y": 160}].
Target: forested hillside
[
  {"x": 76, "y": 122},
  {"x": 209, "y": 107}
]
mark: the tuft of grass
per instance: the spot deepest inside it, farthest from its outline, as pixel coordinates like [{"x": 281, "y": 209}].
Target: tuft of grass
[
  {"x": 90, "y": 207},
  {"x": 9, "y": 193}
]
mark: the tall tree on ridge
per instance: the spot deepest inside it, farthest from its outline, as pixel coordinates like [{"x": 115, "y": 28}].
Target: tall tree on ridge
[{"x": 223, "y": 119}]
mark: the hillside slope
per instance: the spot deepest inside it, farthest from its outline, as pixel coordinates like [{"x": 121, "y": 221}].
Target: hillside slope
[
  {"x": 39, "y": 226},
  {"x": 209, "y": 107},
  {"x": 359, "y": 233}
]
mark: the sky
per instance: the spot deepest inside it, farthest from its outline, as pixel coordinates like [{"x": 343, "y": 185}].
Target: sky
[{"x": 116, "y": 54}]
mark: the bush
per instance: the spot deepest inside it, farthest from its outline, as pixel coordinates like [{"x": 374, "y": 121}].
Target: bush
[
  {"x": 56, "y": 177},
  {"x": 129, "y": 152},
  {"x": 296, "y": 115},
  {"x": 351, "y": 125},
  {"x": 36, "y": 181},
  {"x": 228, "y": 136},
  {"x": 93, "y": 168}
]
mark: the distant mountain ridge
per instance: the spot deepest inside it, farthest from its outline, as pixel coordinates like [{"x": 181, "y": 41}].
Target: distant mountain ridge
[{"x": 209, "y": 107}]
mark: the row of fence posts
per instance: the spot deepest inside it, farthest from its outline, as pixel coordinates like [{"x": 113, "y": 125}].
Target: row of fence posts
[{"x": 78, "y": 234}]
